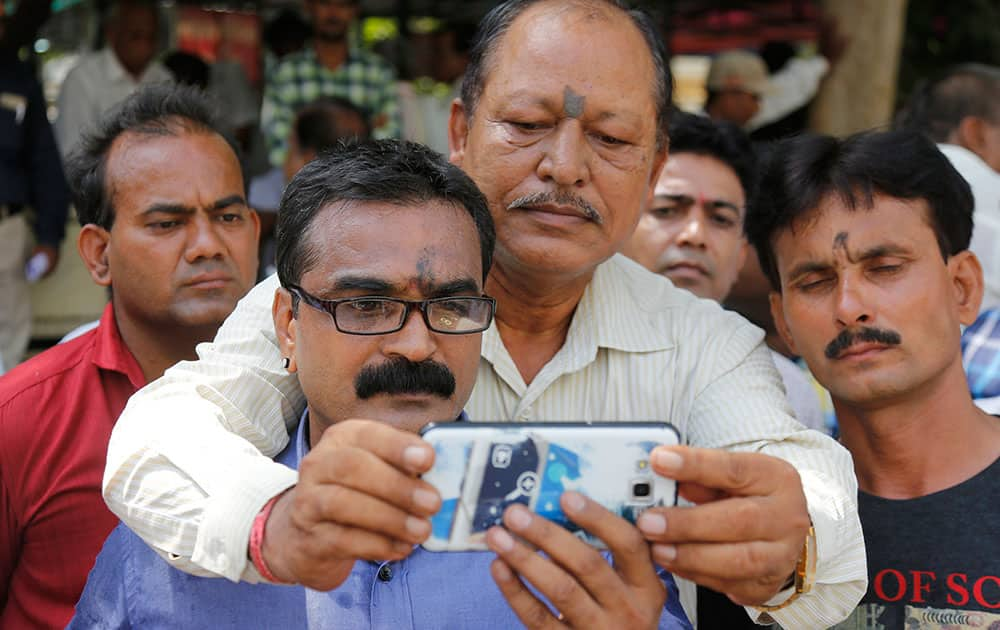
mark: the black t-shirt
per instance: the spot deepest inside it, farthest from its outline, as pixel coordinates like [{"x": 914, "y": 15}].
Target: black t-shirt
[{"x": 933, "y": 561}]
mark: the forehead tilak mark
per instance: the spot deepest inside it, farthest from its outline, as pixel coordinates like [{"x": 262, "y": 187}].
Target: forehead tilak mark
[
  {"x": 572, "y": 103},
  {"x": 840, "y": 242}
]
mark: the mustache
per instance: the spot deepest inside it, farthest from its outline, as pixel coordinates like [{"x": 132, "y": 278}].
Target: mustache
[
  {"x": 848, "y": 338},
  {"x": 402, "y": 376},
  {"x": 560, "y": 198}
]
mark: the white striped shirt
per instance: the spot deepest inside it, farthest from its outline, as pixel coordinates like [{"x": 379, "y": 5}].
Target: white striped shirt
[{"x": 637, "y": 349}]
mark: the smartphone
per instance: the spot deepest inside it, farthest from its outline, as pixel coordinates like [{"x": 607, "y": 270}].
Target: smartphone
[{"x": 482, "y": 468}]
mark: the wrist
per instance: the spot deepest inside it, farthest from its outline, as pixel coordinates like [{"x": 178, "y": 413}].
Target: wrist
[
  {"x": 262, "y": 554},
  {"x": 801, "y": 581}
]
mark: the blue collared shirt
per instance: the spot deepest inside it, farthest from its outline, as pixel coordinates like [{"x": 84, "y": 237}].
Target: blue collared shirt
[{"x": 130, "y": 586}]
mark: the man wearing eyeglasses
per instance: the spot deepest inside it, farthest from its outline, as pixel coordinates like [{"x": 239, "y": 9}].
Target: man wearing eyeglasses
[{"x": 383, "y": 250}]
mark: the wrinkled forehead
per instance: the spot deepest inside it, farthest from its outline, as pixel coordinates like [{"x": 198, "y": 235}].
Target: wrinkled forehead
[{"x": 591, "y": 41}]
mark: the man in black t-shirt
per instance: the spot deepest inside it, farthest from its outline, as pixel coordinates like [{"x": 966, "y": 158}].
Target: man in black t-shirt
[{"x": 865, "y": 243}]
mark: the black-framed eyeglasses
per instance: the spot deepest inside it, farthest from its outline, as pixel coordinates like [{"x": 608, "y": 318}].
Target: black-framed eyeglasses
[{"x": 378, "y": 315}]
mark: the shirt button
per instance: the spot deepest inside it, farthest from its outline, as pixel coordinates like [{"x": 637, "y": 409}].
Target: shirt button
[{"x": 385, "y": 573}]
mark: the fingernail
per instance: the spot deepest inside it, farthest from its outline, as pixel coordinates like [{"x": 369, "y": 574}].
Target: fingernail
[
  {"x": 651, "y": 523},
  {"x": 501, "y": 539},
  {"x": 416, "y": 456},
  {"x": 425, "y": 499},
  {"x": 518, "y": 517},
  {"x": 574, "y": 501},
  {"x": 667, "y": 460},
  {"x": 664, "y": 553},
  {"x": 417, "y": 526}
]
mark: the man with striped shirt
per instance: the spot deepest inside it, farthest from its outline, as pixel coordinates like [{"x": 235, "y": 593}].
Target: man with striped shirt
[{"x": 565, "y": 144}]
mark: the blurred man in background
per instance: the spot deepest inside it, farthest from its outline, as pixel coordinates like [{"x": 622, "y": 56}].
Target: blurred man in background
[{"x": 102, "y": 79}]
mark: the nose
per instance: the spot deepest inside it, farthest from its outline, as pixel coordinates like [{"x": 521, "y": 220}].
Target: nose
[
  {"x": 565, "y": 161},
  {"x": 850, "y": 308},
  {"x": 204, "y": 240},
  {"x": 692, "y": 232},
  {"x": 414, "y": 340}
]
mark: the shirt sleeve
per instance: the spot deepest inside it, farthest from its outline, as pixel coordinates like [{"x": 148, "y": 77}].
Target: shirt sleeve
[
  {"x": 182, "y": 451},
  {"x": 103, "y": 605},
  {"x": 741, "y": 407},
  {"x": 49, "y": 192},
  {"x": 791, "y": 87}
]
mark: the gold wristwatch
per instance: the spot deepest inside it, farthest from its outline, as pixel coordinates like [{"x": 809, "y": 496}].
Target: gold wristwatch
[{"x": 805, "y": 572}]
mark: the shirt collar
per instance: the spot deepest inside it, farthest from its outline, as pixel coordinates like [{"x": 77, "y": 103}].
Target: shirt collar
[
  {"x": 622, "y": 308},
  {"x": 111, "y": 353},
  {"x": 968, "y": 163}
]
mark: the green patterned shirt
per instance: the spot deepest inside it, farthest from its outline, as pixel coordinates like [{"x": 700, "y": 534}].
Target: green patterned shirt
[{"x": 364, "y": 79}]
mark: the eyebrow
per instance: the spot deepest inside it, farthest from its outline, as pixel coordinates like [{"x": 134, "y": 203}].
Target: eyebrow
[
  {"x": 549, "y": 104},
  {"x": 176, "y": 208},
  {"x": 688, "y": 199},
  {"x": 381, "y": 287},
  {"x": 872, "y": 252}
]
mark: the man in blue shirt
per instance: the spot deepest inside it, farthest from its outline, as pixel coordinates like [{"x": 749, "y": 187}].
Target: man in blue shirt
[{"x": 383, "y": 249}]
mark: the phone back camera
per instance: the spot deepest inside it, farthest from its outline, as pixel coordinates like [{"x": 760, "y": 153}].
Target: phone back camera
[{"x": 641, "y": 490}]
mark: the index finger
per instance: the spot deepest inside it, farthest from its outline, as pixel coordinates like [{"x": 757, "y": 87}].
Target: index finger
[
  {"x": 739, "y": 474},
  {"x": 625, "y": 542},
  {"x": 400, "y": 449}
]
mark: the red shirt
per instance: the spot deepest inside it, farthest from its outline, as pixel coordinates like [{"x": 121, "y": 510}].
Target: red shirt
[{"x": 56, "y": 414}]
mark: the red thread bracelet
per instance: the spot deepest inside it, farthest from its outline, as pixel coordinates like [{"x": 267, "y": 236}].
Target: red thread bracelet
[{"x": 257, "y": 542}]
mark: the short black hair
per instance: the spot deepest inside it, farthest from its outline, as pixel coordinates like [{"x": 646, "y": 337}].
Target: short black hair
[
  {"x": 155, "y": 110},
  {"x": 938, "y": 106},
  {"x": 802, "y": 171},
  {"x": 724, "y": 141},
  {"x": 317, "y": 125},
  {"x": 497, "y": 22},
  {"x": 388, "y": 171}
]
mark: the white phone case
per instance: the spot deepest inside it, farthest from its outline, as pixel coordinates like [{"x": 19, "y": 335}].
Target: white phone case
[{"x": 481, "y": 468}]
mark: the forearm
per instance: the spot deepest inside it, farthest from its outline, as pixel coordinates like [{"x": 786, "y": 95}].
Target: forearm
[{"x": 189, "y": 463}]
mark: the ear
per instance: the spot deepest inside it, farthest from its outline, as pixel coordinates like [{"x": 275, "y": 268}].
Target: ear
[
  {"x": 971, "y": 132},
  {"x": 778, "y": 315},
  {"x": 744, "y": 251},
  {"x": 255, "y": 219},
  {"x": 285, "y": 326},
  {"x": 967, "y": 282},
  {"x": 458, "y": 132},
  {"x": 93, "y": 244},
  {"x": 659, "y": 161}
]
